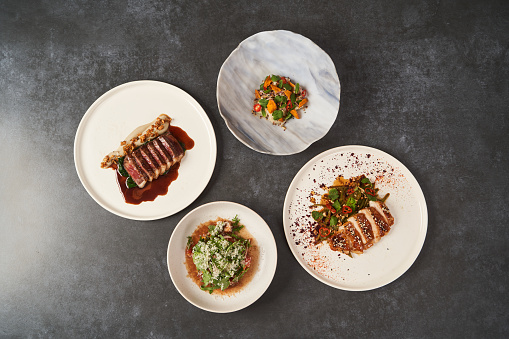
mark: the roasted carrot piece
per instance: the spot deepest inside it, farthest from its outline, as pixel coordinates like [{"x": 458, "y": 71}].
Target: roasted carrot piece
[
  {"x": 271, "y": 106},
  {"x": 275, "y": 88},
  {"x": 288, "y": 94},
  {"x": 267, "y": 82},
  {"x": 295, "y": 114},
  {"x": 257, "y": 95},
  {"x": 303, "y": 102}
]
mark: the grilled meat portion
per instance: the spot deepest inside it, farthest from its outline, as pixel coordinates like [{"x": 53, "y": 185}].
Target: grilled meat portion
[
  {"x": 151, "y": 160},
  {"x": 363, "y": 229}
]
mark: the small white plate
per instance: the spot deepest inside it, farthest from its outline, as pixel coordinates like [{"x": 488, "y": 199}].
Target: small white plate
[
  {"x": 287, "y": 54},
  {"x": 116, "y": 114},
  {"x": 256, "y": 226},
  {"x": 388, "y": 259}
]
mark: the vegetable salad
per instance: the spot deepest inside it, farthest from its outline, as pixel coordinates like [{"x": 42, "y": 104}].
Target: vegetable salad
[{"x": 278, "y": 99}]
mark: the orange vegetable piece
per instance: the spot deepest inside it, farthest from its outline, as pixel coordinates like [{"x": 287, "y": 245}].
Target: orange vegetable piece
[
  {"x": 294, "y": 113},
  {"x": 271, "y": 106},
  {"x": 281, "y": 119},
  {"x": 257, "y": 94},
  {"x": 303, "y": 102},
  {"x": 275, "y": 88},
  {"x": 267, "y": 82},
  {"x": 288, "y": 94},
  {"x": 291, "y": 84}
]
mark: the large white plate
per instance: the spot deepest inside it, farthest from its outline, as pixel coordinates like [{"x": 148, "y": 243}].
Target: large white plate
[
  {"x": 282, "y": 53},
  {"x": 256, "y": 226},
  {"x": 116, "y": 114},
  {"x": 388, "y": 259}
]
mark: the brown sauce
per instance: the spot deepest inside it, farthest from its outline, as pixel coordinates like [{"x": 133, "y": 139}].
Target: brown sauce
[
  {"x": 252, "y": 252},
  {"x": 155, "y": 188}
]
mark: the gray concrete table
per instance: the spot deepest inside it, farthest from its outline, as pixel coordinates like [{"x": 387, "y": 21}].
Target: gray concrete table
[{"x": 425, "y": 81}]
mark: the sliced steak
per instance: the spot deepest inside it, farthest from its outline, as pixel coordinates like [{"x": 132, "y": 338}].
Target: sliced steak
[
  {"x": 155, "y": 154},
  {"x": 163, "y": 153},
  {"x": 143, "y": 165},
  {"x": 145, "y": 153},
  {"x": 139, "y": 177},
  {"x": 172, "y": 146}
]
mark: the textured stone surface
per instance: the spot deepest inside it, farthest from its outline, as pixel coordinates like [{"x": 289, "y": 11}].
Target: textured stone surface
[{"x": 425, "y": 81}]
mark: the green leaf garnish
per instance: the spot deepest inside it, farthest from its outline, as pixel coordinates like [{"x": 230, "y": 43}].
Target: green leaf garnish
[
  {"x": 287, "y": 86},
  {"x": 275, "y": 78},
  {"x": 333, "y": 194},
  {"x": 263, "y": 102},
  {"x": 297, "y": 87},
  {"x": 277, "y": 114},
  {"x": 316, "y": 215},
  {"x": 337, "y": 205},
  {"x": 333, "y": 220},
  {"x": 130, "y": 183},
  {"x": 121, "y": 168}
]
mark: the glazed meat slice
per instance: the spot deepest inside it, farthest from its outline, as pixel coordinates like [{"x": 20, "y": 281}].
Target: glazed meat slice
[
  {"x": 383, "y": 210},
  {"x": 149, "y": 159},
  {"x": 341, "y": 241},
  {"x": 138, "y": 175},
  {"x": 172, "y": 146},
  {"x": 143, "y": 165},
  {"x": 155, "y": 154},
  {"x": 365, "y": 214},
  {"x": 354, "y": 238},
  {"x": 366, "y": 227},
  {"x": 382, "y": 226}
]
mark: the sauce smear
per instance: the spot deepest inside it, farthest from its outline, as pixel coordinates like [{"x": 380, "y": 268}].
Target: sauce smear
[{"x": 159, "y": 186}]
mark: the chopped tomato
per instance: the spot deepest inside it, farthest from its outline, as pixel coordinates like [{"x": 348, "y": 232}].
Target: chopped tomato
[{"x": 257, "y": 107}]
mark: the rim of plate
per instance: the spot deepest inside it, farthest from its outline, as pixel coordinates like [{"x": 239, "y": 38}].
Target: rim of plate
[
  {"x": 94, "y": 106},
  {"x": 273, "y": 261},
  {"x": 408, "y": 175},
  {"x": 228, "y": 123}
]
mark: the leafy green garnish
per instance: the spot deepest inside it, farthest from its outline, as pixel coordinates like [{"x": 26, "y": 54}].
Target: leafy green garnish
[
  {"x": 333, "y": 220},
  {"x": 277, "y": 114},
  {"x": 235, "y": 220},
  {"x": 289, "y": 116},
  {"x": 263, "y": 112},
  {"x": 351, "y": 202},
  {"x": 297, "y": 87},
  {"x": 280, "y": 98},
  {"x": 263, "y": 102},
  {"x": 292, "y": 98},
  {"x": 130, "y": 183},
  {"x": 280, "y": 83},
  {"x": 275, "y": 78},
  {"x": 337, "y": 205},
  {"x": 317, "y": 215},
  {"x": 365, "y": 181},
  {"x": 121, "y": 168},
  {"x": 287, "y": 86},
  {"x": 333, "y": 194}
]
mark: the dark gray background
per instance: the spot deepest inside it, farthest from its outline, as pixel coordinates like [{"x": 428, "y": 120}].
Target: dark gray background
[{"x": 426, "y": 81}]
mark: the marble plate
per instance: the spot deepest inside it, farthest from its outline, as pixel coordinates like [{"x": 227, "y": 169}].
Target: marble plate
[
  {"x": 267, "y": 260},
  {"x": 388, "y": 259},
  {"x": 282, "y": 53}
]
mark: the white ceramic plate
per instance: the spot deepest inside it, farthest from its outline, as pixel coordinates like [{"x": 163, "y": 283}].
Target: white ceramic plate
[
  {"x": 388, "y": 259},
  {"x": 118, "y": 112},
  {"x": 256, "y": 226},
  {"x": 282, "y": 53}
]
